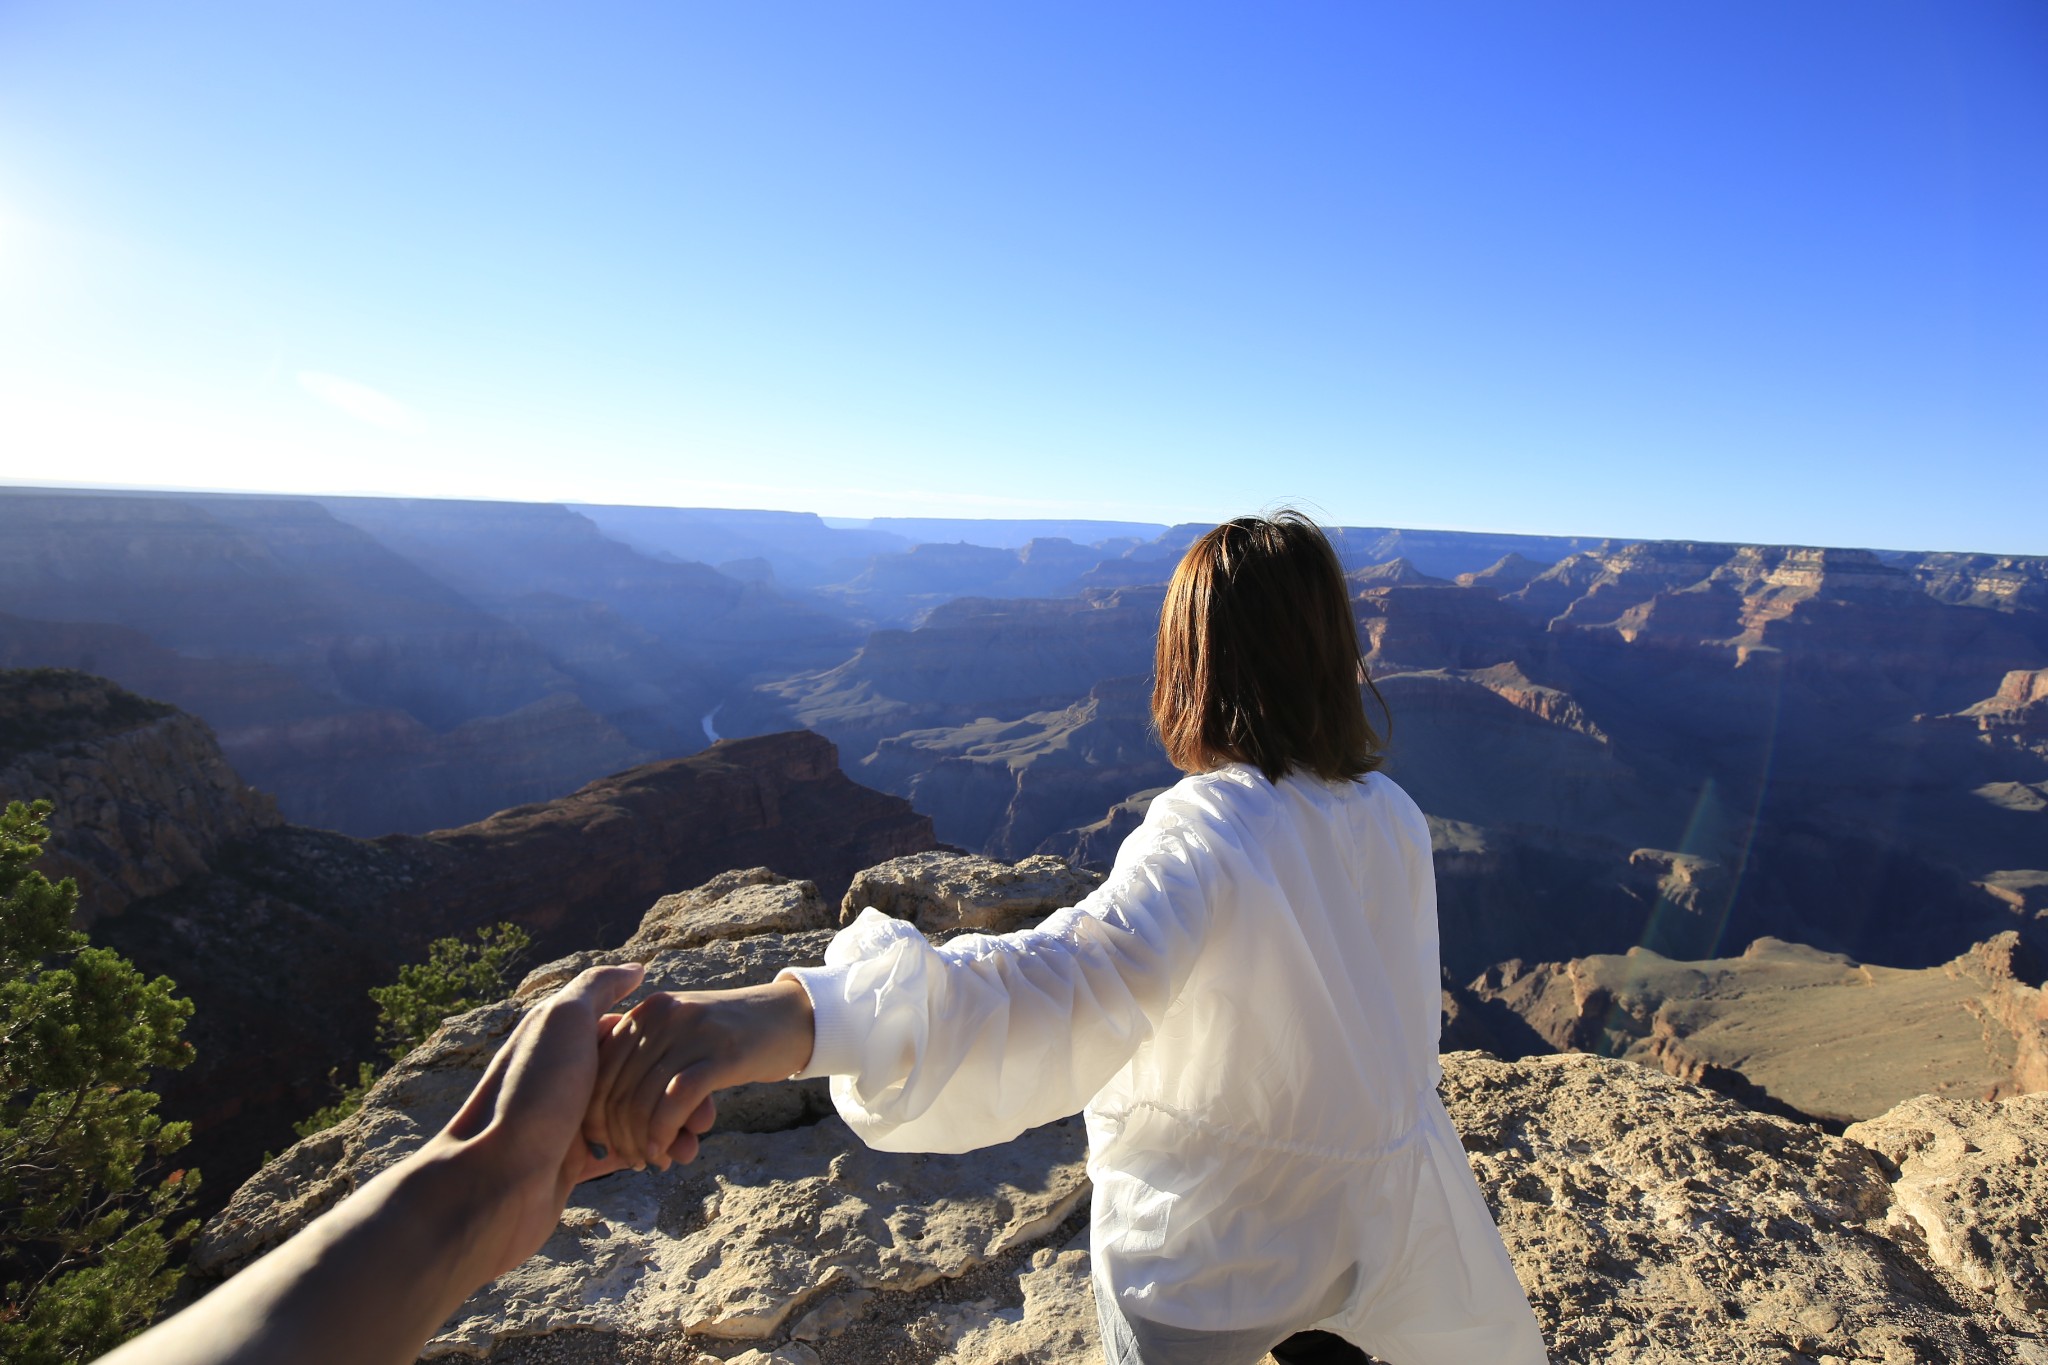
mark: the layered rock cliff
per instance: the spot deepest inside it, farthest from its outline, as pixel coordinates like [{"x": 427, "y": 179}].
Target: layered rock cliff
[
  {"x": 1652, "y": 1221},
  {"x": 142, "y": 797},
  {"x": 386, "y": 665},
  {"x": 280, "y": 934},
  {"x": 2016, "y": 714},
  {"x": 1841, "y": 744},
  {"x": 1793, "y": 1030}
]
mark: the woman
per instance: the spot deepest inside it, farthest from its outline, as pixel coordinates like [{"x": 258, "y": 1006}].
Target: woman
[{"x": 1247, "y": 1008}]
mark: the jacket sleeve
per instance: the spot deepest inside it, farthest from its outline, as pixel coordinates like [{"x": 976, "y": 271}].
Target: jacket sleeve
[{"x": 949, "y": 1048}]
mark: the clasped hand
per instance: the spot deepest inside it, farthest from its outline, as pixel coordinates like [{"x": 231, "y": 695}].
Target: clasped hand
[{"x": 659, "y": 1063}]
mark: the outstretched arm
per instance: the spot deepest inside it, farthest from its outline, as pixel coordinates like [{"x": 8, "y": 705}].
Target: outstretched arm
[
  {"x": 372, "y": 1278},
  {"x": 964, "y": 1045},
  {"x": 938, "y": 1048}
]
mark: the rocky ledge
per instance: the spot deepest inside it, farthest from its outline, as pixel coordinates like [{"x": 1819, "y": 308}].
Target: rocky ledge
[
  {"x": 1652, "y": 1220},
  {"x": 1786, "y": 1028}
]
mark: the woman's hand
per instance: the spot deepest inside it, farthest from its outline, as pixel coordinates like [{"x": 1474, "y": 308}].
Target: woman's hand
[{"x": 662, "y": 1061}]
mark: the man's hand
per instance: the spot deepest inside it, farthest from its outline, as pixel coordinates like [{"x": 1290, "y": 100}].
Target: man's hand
[
  {"x": 662, "y": 1061},
  {"x": 518, "y": 1136},
  {"x": 369, "y": 1280}
]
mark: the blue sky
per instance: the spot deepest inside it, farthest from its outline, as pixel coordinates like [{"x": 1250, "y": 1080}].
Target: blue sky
[{"x": 1731, "y": 270}]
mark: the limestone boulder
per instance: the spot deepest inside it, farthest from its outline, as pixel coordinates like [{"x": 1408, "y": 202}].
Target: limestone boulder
[
  {"x": 1971, "y": 1191},
  {"x": 964, "y": 892},
  {"x": 741, "y": 904},
  {"x": 732, "y": 905},
  {"x": 760, "y": 1237}
]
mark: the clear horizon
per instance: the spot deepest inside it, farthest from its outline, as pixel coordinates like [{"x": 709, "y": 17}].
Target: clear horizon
[
  {"x": 1718, "y": 272},
  {"x": 843, "y": 522}
]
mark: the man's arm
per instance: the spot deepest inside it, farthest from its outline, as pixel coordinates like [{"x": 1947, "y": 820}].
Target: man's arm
[{"x": 372, "y": 1278}]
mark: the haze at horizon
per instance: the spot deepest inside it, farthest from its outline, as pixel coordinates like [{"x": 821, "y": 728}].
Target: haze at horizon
[{"x": 1713, "y": 272}]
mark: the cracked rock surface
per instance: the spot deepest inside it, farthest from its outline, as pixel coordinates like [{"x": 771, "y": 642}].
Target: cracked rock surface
[
  {"x": 764, "y": 1226},
  {"x": 1653, "y": 1221},
  {"x": 1972, "y": 1191},
  {"x": 943, "y": 893}
]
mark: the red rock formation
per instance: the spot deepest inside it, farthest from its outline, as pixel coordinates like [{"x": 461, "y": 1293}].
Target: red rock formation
[
  {"x": 587, "y": 865},
  {"x": 2016, "y": 714},
  {"x": 279, "y": 941}
]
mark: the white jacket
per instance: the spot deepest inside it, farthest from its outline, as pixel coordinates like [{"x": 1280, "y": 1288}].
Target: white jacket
[{"x": 1248, "y": 1008}]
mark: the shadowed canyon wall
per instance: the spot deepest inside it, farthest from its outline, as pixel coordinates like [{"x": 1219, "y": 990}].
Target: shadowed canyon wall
[{"x": 277, "y": 931}]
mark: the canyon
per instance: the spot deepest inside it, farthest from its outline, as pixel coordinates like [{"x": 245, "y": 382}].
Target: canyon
[
  {"x": 1789, "y": 1151},
  {"x": 1683, "y": 747},
  {"x": 397, "y": 666},
  {"x": 1675, "y": 745},
  {"x": 276, "y": 931},
  {"x": 1694, "y": 806}
]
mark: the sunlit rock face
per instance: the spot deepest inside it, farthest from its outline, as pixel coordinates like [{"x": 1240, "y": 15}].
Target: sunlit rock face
[
  {"x": 142, "y": 797},
  {"x": 2016, "y": 715},
  {"x": 2004, "y": 582},
  {"x": 1650, "y": 1219},
  {"x": 947, "y": 893},
  {"x": 1792, "y": 1030}
]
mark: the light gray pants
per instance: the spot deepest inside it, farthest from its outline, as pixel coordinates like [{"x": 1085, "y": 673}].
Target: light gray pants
[
  {"x": 1125, "y": 1342},
  {"x": 1136, "y": 1341}
]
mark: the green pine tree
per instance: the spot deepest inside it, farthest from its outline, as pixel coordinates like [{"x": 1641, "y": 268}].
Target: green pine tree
[
  {"x": 84, "y": 1242},
  {"x": 456, "y": 976}
]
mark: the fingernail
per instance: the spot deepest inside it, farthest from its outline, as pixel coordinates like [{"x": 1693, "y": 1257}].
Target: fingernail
[{"x": 598, "y": 1151}]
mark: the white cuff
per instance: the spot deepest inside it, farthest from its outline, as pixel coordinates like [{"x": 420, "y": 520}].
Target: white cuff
[{"x": 836, "y": 1034}]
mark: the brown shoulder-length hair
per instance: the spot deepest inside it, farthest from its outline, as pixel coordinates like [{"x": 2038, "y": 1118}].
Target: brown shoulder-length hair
[{"x": 1258, "y": 656}]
